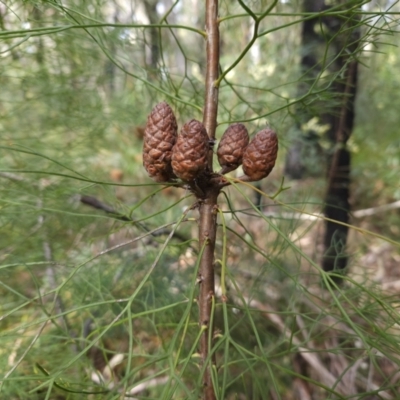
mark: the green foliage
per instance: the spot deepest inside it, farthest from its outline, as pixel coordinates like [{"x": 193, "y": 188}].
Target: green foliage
[
  {"x": 377, "y": 128},
  {"x": 95, "y": 304}
]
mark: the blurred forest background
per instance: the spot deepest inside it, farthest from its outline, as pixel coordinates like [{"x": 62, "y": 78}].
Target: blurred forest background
[{"x": 98, "y": 263}]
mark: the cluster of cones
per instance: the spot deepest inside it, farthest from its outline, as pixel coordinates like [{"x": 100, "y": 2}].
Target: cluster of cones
[{"x": 168, "y": 156}]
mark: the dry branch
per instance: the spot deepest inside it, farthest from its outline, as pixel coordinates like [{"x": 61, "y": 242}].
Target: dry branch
[
  {"x": 344, "y": 380},
  {"x": 208, "y": 203},
  {"x": 99, "y": 205}
]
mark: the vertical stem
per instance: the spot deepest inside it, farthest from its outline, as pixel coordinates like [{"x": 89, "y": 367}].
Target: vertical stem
[
  {"x": 212, "y": 50},
  {"x": 208, "y": 204},
  {"x": 207, "y": 236}
]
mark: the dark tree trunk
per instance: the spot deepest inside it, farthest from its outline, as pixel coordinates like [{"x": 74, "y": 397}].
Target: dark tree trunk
[
  {"x": 337, "y": 208},
  {"x": 337, "y": 205},
  {"x": 37, "y": 17},
  {"x": 305, "y": 148},
  {"x": 151, "y": 11},
  {"x": 328, "y": 44},
  {"x": 341, "y": 121}
]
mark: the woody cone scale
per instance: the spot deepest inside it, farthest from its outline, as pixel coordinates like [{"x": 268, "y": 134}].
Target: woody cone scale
[
  {"x": 231, "y": 147},
  {"x": 160, "y": 135},
  {"x": 260, "y": 156},
  {"x": 189, "y": 155}
]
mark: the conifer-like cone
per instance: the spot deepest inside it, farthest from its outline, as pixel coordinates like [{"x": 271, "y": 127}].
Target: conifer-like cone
[
  {"x": 189, "y": 155},
  {"x": 160, "y": 136},
  {"x": 260, "y": 156},
  {"x": 231, "y": 147}
]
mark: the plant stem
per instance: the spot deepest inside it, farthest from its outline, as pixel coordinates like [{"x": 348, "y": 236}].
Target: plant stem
[
  {"x": 208, "y": 204},
  {"x": 207, "y": 236},
  {"x": 212, "y": 49}
]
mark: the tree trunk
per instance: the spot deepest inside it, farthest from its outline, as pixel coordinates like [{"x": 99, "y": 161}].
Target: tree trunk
[
  {"x": 337, "y": 205},
  {"x": 301, "y": 157},
  {"x": 328, "y": 45},
  {"x": 151, "y": 11}
]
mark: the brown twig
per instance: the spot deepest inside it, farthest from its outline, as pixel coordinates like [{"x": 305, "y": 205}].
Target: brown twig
[
  {"x": 207, "y": 237},
  {"x": 208, "y": 203},
  {"x": 99, "y": 205},
  {"x": 212, "y": 50}
]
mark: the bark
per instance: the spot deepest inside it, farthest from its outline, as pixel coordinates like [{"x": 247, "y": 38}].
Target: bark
[
  {"x": 151, "y": 11},
  {"x": 332, "y": 51},
  {"x": 208, "y": 205},
  {"x": 341, "y": 122},
  {"x": 207, "y": 237},
  {"x": 337, "y": 206},
  {"x": 312, "y": 50}
]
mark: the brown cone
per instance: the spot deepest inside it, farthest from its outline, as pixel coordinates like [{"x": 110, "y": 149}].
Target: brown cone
[
  {"x": 189, "y": 155},
  {"x": 231, "y": 147},
  {"x": 159, "y": 138},
  {"x": 260, "y": 156}
]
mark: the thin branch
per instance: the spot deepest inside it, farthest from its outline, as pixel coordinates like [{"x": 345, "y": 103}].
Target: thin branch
[
  {"x": 212, "y": 50},
  {"x": 51, "y": 278},
  {"x": 309, "y": 355},
  {"x": 52, "y": 30},
  {"x": 208, "y": 204},
  {"x": 99, "y": 205},
  {"x": 95, "y": 203},
  {"x": 366, "y": 212},
  {"x": 376, "y": 210},
  {"x": 11, "y": 177},
  {"x": 23, "y": 355}
]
